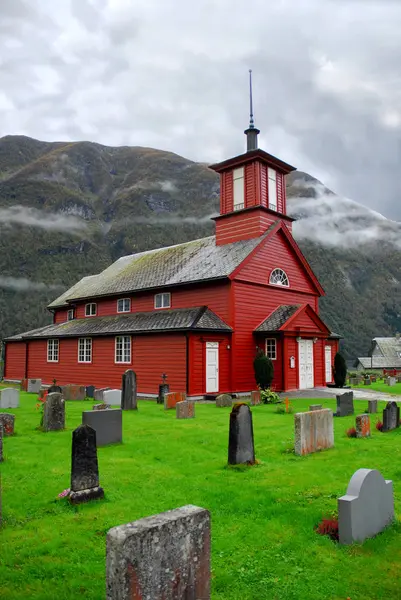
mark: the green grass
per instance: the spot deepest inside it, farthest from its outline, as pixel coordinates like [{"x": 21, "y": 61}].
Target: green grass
[
  {"x": 263, "y": 517},
  {"x": 380, "y": 386}
]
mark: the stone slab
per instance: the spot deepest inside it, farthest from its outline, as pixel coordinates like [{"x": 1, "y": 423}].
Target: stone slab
[
  {"x": 129, "y": 399},
  {"x": 8, "y": 422},
  {"x": 314, "y": 431},
  {"x": 112, "y": 397},
  {"x": 163, "y": 557},
  {"x": 90, "y": 391},
  {"x": 224, "y": 400},
  {"x": 33, "y": 386},
  {"x": 185, "y": 410},
  {"x": 102, "y": 406},
  {"x": 171, "y": 399},
  {"x": 362, "y": 426},
  {"x": 391, "y": 381},
  {"x": 106, "y": 423},
  {"x": 54, "y": 413},
  {"x": 391, "y": 416},
  {"x": 367, "y": 508},
  {"x": 372, "y": 406},
  {"x": 315, "y": 407},
  {"x": 9, "y": 398},
  {"x": 73, "y": 392},
  {"x": 255, "y": 398},
  {"x": 84, "y": 466},
  {"x": 98, "y": 395},
  {"x": 345, "y": 404},
  {"x": 241, "y": 449}
]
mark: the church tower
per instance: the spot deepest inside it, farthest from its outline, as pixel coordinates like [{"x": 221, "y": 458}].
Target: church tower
[{"x": 252, "y": 190}]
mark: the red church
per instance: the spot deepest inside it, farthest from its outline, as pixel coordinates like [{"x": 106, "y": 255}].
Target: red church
[{"x": 198, "y": 311}]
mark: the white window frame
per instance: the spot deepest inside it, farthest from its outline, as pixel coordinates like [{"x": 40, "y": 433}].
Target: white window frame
[
  {"x": 165, "y": 300},
  {"x": 53, "y": 350},
  {"x": 84, "y": 350},
  {"x": 271, "y": 352},
  {"x": 90, "y": 313},
  {"x": 272, "y": 188},
  {"x": 69, "y": 313},
  {"x": 238, "y": 188},
  {"x": 276, "y": 269},
  {"x": 123, "y": 350},
  {"x": 126, "y": 306}
]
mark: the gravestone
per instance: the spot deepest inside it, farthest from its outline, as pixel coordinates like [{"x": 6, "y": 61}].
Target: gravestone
[
  {"x": 241, "y": 448},
  {"x": 8, "y": 422},
  {"x": 54, "y": 389},
  {"x": 372, "y": 406},
  {"x": 84, "y": 466},
  {"x": 255, "y": 398},
  {"x": 73, "y": 392},
  {"x": 90, "y": 391},
  {"x": 164, "y": 389},
  {"x": 54, "y": 412},
  {"x": 391, "y": 416},
  {"x": 1, "y": 443},
  {"x": 9, "y": 398},
  {"x": 106, "y": 423},
  {"x": 353, "y": 381},
  {"x": 391, "y": 381},
  {"x": 315, "y": 407},
  {"x": 367, "y": 382},
  {"x": 362, "y": 426},
  {"x": 163, "y": 557},
  {"x": 98, "y": 395},
  {"x": 102, "y": 406},
  {"x": 345, "y": 404},
  {"x": 129, "y": 391},
  {"x": 171, "y": 399},
  {"x": 373, "y": 379},
  {"x": 367, "y": 508},
  {"x": 224, "y": 400},
  {"x": 33, "y": 386},
  {"x": 185, "y": 410},
  {"x": 112, "y": 397},
  {"x": 313, "y": 431}
]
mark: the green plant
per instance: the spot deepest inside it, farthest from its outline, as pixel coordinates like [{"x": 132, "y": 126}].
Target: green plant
[
  {"x": 339, "y": 370},
  {"x": 264, "y": 370},
  {"x": 269, "y": 397}
]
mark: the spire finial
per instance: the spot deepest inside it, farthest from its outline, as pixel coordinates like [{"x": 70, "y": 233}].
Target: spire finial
[
  {"x": 251, "y": 123},
  {"x": 251, "y": 133}
]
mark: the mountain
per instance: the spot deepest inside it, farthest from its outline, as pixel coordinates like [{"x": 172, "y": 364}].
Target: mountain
[{"x": 70, "y": 209}]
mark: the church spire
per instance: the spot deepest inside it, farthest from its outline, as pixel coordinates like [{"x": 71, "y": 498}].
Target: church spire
[{"x": 252, "y": 132}]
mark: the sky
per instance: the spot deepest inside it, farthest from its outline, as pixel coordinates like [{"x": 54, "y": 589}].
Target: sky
[{"x": 172, "y": 74}]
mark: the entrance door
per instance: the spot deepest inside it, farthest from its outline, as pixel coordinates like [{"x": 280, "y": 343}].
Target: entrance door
[
  {"x": 305, "y": 349},
  {"x": 212, "y": 367},
  {"x": 327, "y": 358}
]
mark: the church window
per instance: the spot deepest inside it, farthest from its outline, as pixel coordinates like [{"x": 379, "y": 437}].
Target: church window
[
  {"x": 279, "y": 277},
  {"x": 271, "y": 348},
  {"x": 52, "y": 350},
  {"x": 163, "y": 300},
  {"x": 90, "y": 309},
  {"x": 272, "y": 189},
  {"x": 239, "y": 189}
]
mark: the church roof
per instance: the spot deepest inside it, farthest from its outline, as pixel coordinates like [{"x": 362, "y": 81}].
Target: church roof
[{"x": 278, "y": 318}]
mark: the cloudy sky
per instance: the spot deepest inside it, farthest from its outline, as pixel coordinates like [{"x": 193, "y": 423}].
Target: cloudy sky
[{"x": 172, "y": 74}]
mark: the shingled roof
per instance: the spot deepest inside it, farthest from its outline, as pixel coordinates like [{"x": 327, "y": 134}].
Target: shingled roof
[
  {"x": 199, "y": 318},
  {"x": 278, "y": 318},
  {"x": 380, "y": 362},
  {"x": 198, "y": 260}
]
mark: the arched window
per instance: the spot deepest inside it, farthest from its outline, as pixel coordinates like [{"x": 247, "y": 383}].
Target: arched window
[{"x": 278, "y": 277}]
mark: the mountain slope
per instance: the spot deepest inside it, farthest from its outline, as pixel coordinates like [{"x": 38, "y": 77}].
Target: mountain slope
[{"x": 70, "y": 209}]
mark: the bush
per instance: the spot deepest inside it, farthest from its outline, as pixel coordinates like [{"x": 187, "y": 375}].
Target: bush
[
  {"x": 379, "y": 426},
  {"x": 328, "y": 527},
  {"x": 269, "y": 397},
  {"x": 264, "y": 370},
  {"x": 339, "y": 370},
  {"x": 351, "y": 433}
]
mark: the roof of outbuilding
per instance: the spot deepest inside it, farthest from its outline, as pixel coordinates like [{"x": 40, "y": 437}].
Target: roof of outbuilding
[
  {"x": 198, "y": 260},
  {"x": 277, "y": 319},
  {"x": 388, "y": 346},
  {"x": 380, "y": 362},
  {"x": 199, "y": 318}
]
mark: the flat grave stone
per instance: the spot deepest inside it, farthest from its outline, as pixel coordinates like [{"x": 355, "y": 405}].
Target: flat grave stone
[
  {"x": 241, "y": 449},
  {"x": 33, "y": 386},
  {"x": 345, "y": 404},
  {"x": 102, "y": 406},
  {"x": 372, "y": 406},
  {"x": 90, "y": 391},
  {"x": 9, "y": 398},
  {"x": 98, "y": 395},
  {"x": 314, "y": 431},
  {"x": 54, "y": 413},
  {"x": 129, "y": 399},
  {"x": 362, "y": 426},
  {"x": 106, "y": 423},
  {"x": 255, "y": 398},
  {"x": 73, "y": 392},
  {"x": 367, "y": 508},
  {"x": 391, "y": 416},
  {"x": 163, "y": 557},
  {"x": 112, "y": 397},
  {"x": 8, "y": 422},
  {"x": 315, "y": 407},
  {"x": 185, "y": 410},
  {"x": 171, "y": 399},
  {"x": 84, "y": 466},
  {"x": 224, "y": 400}
]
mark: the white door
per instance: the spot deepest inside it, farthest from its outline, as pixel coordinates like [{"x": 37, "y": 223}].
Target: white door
[
  {"x": 327, "y": 358},
  {"x": 212, "y": 367},
  {"x": 305, "y": 350}
]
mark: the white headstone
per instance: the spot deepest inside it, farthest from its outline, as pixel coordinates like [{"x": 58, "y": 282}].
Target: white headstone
[
  {"x": 112, "y": 397},
  {"x": 9, "y": 398},
  {"x": 34, "y": 386}
]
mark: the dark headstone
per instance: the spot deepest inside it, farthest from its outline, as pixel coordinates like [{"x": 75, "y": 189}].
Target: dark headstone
[
  {"x": 8, "y": 422},
  {"x": 241, "y": 448},
  {"x": 84, "y": 466},
  {"x": 54, "y": 389},
  {"x": 345, "y": 404},
  {"x": 54, "y": 412},
  {"x": 372, "y": 406},
  {"x": 129, "y": 392},
  {"x": 90, "y": 391},
  {"x": 164, "y": 389},
  {"x": 391, "y": 416},
  {"x": 106, "y": 423}
]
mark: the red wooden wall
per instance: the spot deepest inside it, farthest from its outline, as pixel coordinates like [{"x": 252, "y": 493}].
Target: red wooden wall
[
  {"x": 15, "y": 360},
  {"x": 197, "y": 363},
  {"x": 243, "y": 226}
]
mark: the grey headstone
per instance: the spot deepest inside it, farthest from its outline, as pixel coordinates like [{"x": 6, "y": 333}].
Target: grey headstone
[
  {"x": 367, "y": 508},
  {"x": 315, "y": 407},
  {"x": 313, "y": 431},
  {"x": 8, "y": 422},
  {"x": 84, "y": 466},
  {"x": 90, "y": 391},
  {"x": 241, "y": 448},
  {"x": 98, "y": 395},
  {"x": 362, "y": 426},
  {"x": 367, "y": 382},
  {"x": 185, "y": 410},
  {"x": 164, "y": 557},
  {"x": 9, "y": 398},
  {"x": 391, "y": 416},
  {"x": 102, "y": 406},
  {"x": 1, "y": 443},
  {"x": 112, "y": 397},
  {"x": 55, "y": 389},
  {"x": 391, "y": 381},
  {"x": 224, "y": 400},
  {"x": 54, "y": 412},
  {"x": 129, "y": 391},
  {"x": 353, "y": 381},
  {"x": 372, "y": 406},
  {"x": 34, "y": 385},
  {"x": 345, "y": 404},
  {"x": 164, "y": 389},
  {"x": 106, "y": 423}
]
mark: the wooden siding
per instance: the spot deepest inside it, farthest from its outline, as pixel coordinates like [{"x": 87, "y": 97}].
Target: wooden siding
[
  {"x": 243, "y": 226},
  {"x": 154, "y": 355},
  {"x": 60, "y": 316},
  {"x": 226, "y": 192},
  {"x": 305, "y": 322},
  {"x": 250, "y": 185},
  {"x": 319, "y": 364},
  {"x": 277, "y": 383},
  {"x": 279, "y": 178},
  {"x": 197, "y": 363},
  {"x": 15, "y": 360},
  {"x": 291, "y": 375}
]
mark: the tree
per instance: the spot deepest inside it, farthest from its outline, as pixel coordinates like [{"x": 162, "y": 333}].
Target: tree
[
  {"x": 339, "y": 370},
  {"x": 264, "y": 370}
]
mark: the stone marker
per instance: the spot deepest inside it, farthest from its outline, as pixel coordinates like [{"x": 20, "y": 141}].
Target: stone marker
[
  {"x": 315, "y": 407},
  {"x": 391, "y": 416},
  {"x": 345, "y": 404},
  {"x": 362, "y": 426},
  {"x": 372, "y": 406},
  {"x": 367, "y": 508},
  {"x": 102, "y": 406},
  {"x": 391, "y": 381},
  {"x": 54, "y": 389},
  {"x": 54, "y": 412},
  {"x": 98, "y": 395},
  {"x": 185, "y": 410},
  {"x": 90, "y": 391},
  {"x": 241, "y": 448},
  {"x": 353, "y": 381},
  {"x": 255, "y": 398},
  {"x": 129, "y": 391},
  {"x": 224, "y": 400},
  {"x": 373, "y": 379},
  {"x": 84, "y": 466},
  {"x": 33, "y": 386},
  {"x": 73, "y": 392},
  {"x": 164, "y": 557},
  {"x": 171, "y": 399},
  {"x": 367, "y": 382},
  {"x": 9, "y": 398},
  {"x": 313, "y": 431},
  {"x": 164, "y": 389},
  {"x": 112, "y": 397},
  {"x": 1, "y": 442},
  {"x": 8, "y": 422},
  {"x": 106, "y": 423}
]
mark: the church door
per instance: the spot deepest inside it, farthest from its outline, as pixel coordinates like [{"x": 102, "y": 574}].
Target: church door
[{"x": 305, "y": 350}]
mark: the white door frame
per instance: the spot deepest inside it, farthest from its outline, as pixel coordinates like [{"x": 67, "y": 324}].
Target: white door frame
[
  {"x": 327, "y": 365},
  {"x": 212, "y": 367},
  {"x": 306, "y": 375}
]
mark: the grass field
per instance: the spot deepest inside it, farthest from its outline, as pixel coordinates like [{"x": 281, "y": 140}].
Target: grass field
[
  {"x": 380, "y": 386},
  {"x": 263, "y": 517}
]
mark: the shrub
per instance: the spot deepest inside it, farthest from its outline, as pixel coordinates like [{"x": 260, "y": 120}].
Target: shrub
[
  {"x": 328, "y": 527},
  {"x": 269, "y": 397},
  {"x": 351, "y": 433},
  {"x": 264, "y": 370},
  {"x": 339, "y": 370},
  {"x": 379, "y": 425}
]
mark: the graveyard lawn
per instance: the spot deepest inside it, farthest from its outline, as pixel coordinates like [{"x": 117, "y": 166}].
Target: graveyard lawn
[
  {"x": 380, "y": 386},
  {"x": 263, "y": 517}
]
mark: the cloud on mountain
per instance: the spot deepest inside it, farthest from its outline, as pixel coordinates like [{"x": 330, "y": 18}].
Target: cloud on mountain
[
  {"x": 31, "y": 217},
  {"x": 167, "y": 74},
  {"x": 21, "y": 284}
]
